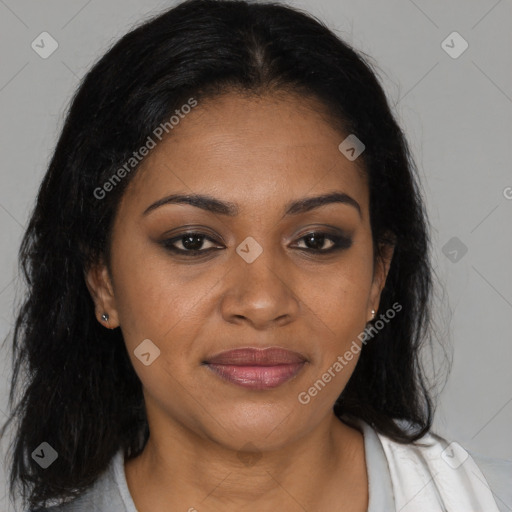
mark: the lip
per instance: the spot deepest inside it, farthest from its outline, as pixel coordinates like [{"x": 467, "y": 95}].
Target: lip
[{"x": 257, "y": 368}]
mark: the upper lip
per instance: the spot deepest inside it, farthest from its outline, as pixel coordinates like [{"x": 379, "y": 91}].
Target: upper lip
[{"x": 249, "y": 356}]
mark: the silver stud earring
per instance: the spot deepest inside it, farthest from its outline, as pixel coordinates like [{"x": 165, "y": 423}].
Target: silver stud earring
[
  {"x": 373, "y": 314},
  {"x": 105, "y": 317}
]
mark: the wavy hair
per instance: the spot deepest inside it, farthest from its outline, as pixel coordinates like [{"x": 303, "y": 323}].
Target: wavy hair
[{"x": 73, "y": 384}]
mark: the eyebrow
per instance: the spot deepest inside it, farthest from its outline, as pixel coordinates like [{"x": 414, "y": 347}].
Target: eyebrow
[{"x": 211, "y": 204}]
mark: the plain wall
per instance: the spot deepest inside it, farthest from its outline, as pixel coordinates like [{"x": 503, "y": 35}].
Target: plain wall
[{"x": 456, "y": 112}]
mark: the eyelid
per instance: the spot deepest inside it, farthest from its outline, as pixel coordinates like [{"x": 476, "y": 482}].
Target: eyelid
[
  {"x": 168, "y": 243},
  {"x": 341, "y": 241},
  {"x": 324, "y": 229}
]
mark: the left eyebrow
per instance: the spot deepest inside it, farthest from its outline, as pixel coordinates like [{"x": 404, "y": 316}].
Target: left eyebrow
[
  {"x": 309, "y": 203},
  {"x": 230, "y": 209}
]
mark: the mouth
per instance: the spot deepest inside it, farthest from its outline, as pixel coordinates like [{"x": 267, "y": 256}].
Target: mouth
[{"x": 257, "y": 368}]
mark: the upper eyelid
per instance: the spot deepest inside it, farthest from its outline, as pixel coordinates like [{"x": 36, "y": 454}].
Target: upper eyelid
[{"x": 324, "y": 231}]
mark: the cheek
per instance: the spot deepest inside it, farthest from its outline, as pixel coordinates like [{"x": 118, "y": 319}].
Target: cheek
[
  {"x": 157, "y": 303},
  {"x": 152, "y": 296},
  {"x": 338, "y": 295},
  {"x": 340, "y": 309}
]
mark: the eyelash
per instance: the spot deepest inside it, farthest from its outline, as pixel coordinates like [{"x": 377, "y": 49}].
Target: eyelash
[{"x": 340, "y": 243}]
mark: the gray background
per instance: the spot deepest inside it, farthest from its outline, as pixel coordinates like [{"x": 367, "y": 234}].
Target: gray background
[{"x": 457, "y": 116}]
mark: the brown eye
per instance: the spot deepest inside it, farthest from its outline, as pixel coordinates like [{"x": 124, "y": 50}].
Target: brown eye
[
  {"x": 190, "y": 243},
  {"x": 316, "y": 242}
]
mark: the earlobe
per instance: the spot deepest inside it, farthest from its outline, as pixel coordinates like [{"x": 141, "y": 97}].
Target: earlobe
[{"x": 99, "y": 284}]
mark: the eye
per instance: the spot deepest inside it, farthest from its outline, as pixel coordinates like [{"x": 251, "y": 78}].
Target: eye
[
  {"x": 193, "y": 244},
  {"x": 189, "y": 243},
  {"x": 316, "y": 241}
]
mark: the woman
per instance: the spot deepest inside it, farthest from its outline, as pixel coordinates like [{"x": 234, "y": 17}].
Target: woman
[{"x": 229, "y": 285}]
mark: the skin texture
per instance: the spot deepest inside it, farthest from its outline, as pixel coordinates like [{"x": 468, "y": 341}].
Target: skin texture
[{"x": 215, "y": 445}]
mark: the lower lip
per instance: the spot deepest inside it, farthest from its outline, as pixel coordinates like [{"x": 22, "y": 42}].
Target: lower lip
[{"x": 257, "y": 377}]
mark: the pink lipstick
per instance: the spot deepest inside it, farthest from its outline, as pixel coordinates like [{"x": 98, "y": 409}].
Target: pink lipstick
[{"x": 257, "y": 368}]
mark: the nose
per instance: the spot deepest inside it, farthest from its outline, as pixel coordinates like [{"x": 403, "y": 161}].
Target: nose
[{"x": 260, "y": 293}]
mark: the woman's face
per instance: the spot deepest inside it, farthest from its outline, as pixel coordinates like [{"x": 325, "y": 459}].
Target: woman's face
[{"x": 254, "y": 280}]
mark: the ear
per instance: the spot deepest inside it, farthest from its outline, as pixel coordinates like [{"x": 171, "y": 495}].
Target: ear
[
  {"x": 99, "y": 283},
  {"x": 380, "y": 275}
]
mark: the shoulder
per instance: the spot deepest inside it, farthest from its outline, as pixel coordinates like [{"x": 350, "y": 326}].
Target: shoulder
[
  {"x": 445, "y": 470},
  {"x": 498, "y": 473},
  {"x": 102, "y": 496},
  {"x": 92, "y": 500}
]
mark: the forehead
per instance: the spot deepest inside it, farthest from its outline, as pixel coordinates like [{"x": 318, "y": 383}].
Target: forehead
[{"x": 248, "y": 150}]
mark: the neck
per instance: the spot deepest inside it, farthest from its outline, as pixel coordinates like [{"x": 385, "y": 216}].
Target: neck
[{"x": 184, "y": 468}]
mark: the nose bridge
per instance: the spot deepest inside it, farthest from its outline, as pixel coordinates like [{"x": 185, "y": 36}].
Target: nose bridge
[{"x": 259, "y": 289}]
